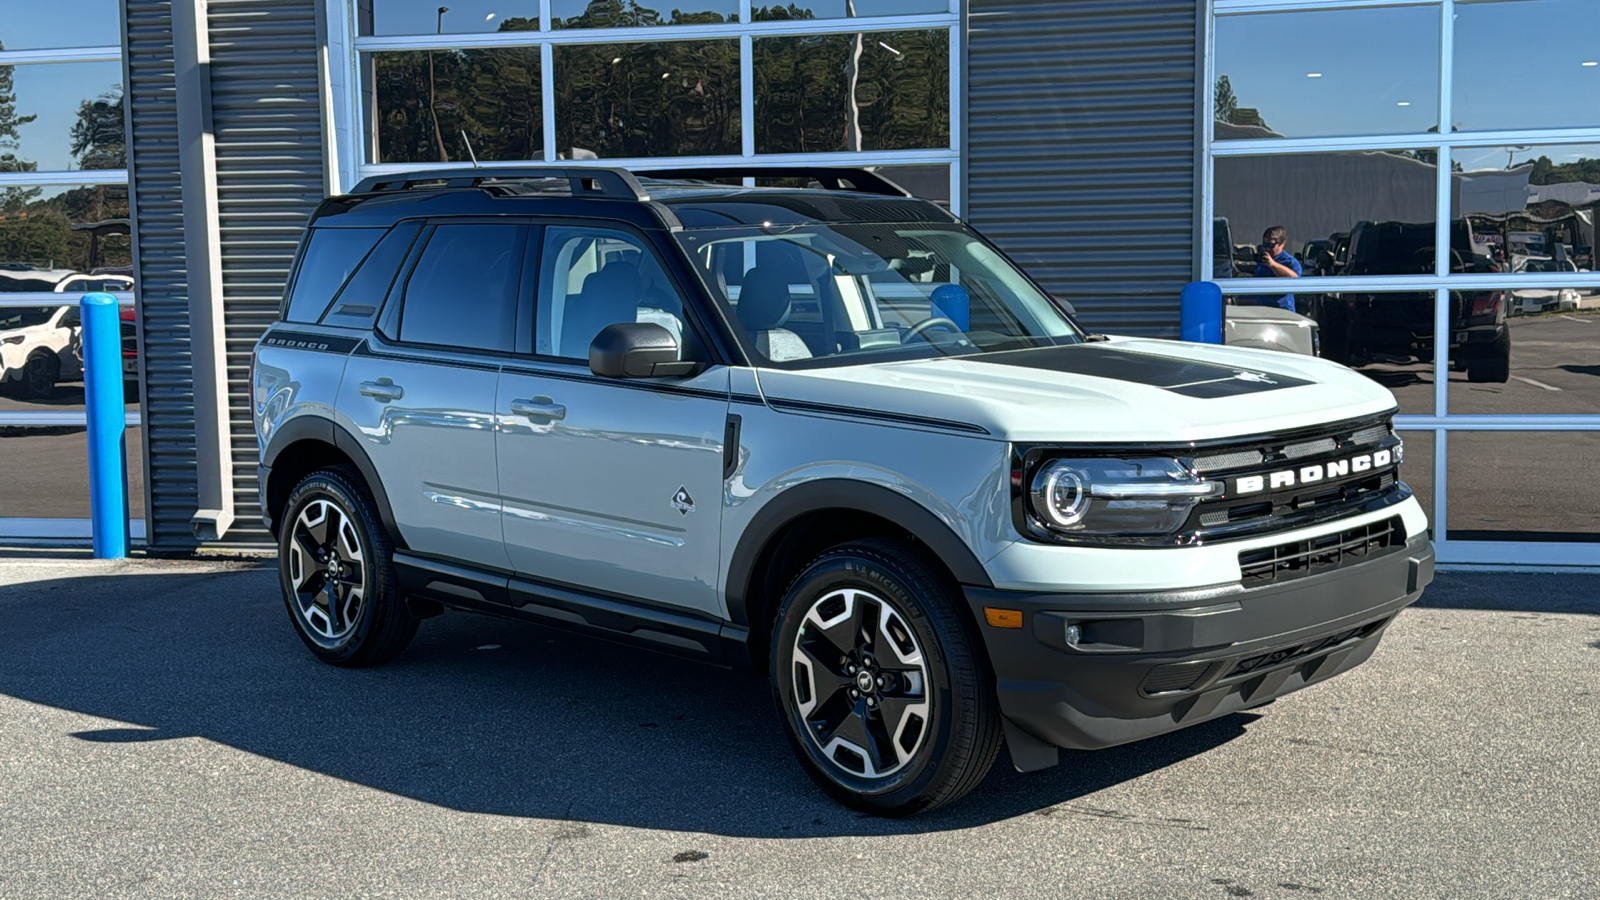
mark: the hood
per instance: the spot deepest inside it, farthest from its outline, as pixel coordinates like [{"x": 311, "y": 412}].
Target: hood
[{"x": 1110, "y": 392}]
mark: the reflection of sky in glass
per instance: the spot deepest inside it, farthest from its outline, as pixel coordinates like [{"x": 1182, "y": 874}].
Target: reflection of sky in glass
[
  {"x": 1367, "y": 63},
  {"x": 727, "y": 10},
  {"x": 54, "y": 24},
  {"x": 836, "y": 9},
  {"x": 52, "y": 92},
  {"x": 1477, "y": 159},
  {"x": 1520, "y": 65},
  {"x": 465, "y": 16}
]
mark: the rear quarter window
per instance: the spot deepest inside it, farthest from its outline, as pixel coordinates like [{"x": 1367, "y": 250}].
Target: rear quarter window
[
  {"x": 357, "y": 303},
  {"x": 330, "y": 256}
]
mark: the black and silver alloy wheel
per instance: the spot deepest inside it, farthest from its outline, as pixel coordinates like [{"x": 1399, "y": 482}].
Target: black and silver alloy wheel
[
  {"x": 860, "y": 683},
  {"x": 327, "y": 570},
  {"x": 336, "y": 568},
  {"x": 880, "y": 679}
]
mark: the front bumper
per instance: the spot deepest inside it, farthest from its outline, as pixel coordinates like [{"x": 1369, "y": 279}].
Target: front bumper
[{"x": 1149, "y": 663}]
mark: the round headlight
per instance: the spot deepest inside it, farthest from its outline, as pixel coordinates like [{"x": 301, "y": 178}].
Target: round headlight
[{"x": 1059, "y": 492}]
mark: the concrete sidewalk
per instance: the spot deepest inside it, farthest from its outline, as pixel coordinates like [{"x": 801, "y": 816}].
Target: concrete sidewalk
[{"x": 163, "y": 733}]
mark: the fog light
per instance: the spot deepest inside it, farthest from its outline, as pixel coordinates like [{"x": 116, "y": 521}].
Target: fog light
[{"x": 1074, "y": 635}]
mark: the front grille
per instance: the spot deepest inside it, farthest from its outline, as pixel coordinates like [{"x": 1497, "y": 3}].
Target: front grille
[
  {"x": 1312, "y": 556},
  {"x": 1292, "y": 481},
  {"x": 1300, "y": 651}
]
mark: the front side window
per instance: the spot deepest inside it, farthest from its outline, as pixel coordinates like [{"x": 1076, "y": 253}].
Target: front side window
[
  {"x": 839, "y": 294},
  {"x": 594, "y": 277},
  {"x": 463, "y": 291}
]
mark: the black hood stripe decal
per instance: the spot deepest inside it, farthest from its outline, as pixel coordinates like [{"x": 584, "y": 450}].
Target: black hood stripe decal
[{"x": 1192, "y": 378}]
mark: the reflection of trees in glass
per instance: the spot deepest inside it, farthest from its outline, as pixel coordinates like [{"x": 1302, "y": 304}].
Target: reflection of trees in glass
[
  {"x": 629, "y": 14},
  {"x": 11, "y": 140},
  {"x": 902, "y": 91},
  {"x": 98, "y": 139},
  {"x": 39, "y": 232},
  {"x": 1228, "y": 108},
  {"x": 492, "y": 95},
  {"x": 669, "y": 98},
  {"x": 1547, "y": 172}
]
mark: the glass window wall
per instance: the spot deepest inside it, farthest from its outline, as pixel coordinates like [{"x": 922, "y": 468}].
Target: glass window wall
[
  {"x": 484, "y": 79},
  {"x": 1456, "y": 266},
  {"x": 64, "y": 231}
]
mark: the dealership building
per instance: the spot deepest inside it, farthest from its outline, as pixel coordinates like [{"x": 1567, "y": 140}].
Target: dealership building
[{"x": 1117, "y": 149}]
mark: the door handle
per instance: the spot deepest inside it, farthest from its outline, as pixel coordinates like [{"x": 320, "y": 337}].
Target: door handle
[
  {"x": 539, "y": 408},
  {"x": 382, "y": 390}
]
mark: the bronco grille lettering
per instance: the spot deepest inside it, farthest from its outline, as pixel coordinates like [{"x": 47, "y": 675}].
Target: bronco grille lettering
[{"x": 1366, "y": 462}]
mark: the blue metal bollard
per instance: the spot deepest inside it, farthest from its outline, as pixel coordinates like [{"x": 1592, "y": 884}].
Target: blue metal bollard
[
  {"x": 1200, "y": 313},
  {"x": 102, "y": 391}
]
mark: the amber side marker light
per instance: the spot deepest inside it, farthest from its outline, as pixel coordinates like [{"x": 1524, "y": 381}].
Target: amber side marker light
[{"x": 1003, "y": 618}]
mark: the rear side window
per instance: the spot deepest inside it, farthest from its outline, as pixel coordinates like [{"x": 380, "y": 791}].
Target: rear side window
[
  {"x": 463, "y": 290},
  {"x": 358, "y": 302},
  {"x": 331, "y": 255}
]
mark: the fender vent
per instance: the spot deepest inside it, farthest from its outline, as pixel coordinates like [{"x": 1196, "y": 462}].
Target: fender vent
[{"x": 1298, "y": 559}]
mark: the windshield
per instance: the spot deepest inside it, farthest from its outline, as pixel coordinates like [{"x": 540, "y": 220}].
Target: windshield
[{"x": 846, "y": 293}]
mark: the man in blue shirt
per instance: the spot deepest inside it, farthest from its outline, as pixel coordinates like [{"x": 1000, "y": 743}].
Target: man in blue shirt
[{"x": 1273, "y": 260}]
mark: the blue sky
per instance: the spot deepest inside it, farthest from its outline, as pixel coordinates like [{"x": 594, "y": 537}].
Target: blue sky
[
  {"x": 53, "y": 91},
  {"x": 1375, "y": 71},
  {"x": 468, "y": 16}
]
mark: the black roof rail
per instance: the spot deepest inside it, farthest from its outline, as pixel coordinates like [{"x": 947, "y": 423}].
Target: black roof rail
[
  {"x": 833, "y": 178},
  {"x": 585, "y": 181}
]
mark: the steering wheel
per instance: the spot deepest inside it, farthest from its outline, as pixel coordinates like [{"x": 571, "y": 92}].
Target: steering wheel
[{"x": 930, "y": 322}]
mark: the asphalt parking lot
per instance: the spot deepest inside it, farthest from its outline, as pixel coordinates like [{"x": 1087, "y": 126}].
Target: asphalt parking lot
[{"x": 164, "y": 734}]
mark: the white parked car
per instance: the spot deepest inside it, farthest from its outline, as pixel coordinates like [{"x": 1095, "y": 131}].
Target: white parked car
[
  {"x": 1269, "y": 328},
  {"x": 1536, "y": 300},
  {"x": 41, "y": 346}
]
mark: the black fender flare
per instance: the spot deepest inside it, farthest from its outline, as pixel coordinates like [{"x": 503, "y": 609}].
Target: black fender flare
[
  {"x": 326, "y": 431},
  {"x": 844, "y": 493}
]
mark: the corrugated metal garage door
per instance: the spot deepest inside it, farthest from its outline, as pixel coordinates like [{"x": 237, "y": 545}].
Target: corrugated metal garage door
[
  {"x": 162, "y": 295},
  {"x": 1080, "y": 149},
  {"x": 268, "y": 130},
  {"x": 268, "y": 124}
]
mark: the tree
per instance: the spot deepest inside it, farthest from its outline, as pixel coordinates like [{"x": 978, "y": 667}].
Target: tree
[
  {"x": 11, "y": 141},
  {"x": 98, "y": 138},
  {"x": 1227, "y": 104}
]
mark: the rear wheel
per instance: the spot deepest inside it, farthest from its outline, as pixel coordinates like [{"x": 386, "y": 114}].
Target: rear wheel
[
  {"x": 38, "y": 378},
  {"x": 335, "y": 565},
  {"x": 1494, "y": 366},
  {"x": 880, "y": 681}
]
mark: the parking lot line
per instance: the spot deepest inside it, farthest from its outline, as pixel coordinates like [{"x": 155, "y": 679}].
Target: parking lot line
[{"x": 1537, "y": 384}]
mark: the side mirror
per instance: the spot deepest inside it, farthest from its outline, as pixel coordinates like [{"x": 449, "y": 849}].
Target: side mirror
[{"x": 637, "y": 350}]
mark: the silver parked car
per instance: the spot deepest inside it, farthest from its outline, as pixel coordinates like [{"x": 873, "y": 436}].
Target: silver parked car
[{"x": 831, "y": 433}]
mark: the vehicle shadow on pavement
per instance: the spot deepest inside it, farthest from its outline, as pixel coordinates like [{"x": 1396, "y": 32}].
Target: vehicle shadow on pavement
[
  {"x": 1514, "y": 592},
  {"x": 545, "y": 724}
]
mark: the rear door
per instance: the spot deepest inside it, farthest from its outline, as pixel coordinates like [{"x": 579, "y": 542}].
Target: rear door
[
  {"x": 420, "y": 392},
  {"x": 611, "y": 484}
]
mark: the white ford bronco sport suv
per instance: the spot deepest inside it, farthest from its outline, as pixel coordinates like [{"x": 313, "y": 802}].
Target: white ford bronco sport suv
[{"x": 831, "y": 433}]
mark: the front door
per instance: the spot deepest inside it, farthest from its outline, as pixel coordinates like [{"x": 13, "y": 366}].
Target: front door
[{"x": 610, "y": 484}]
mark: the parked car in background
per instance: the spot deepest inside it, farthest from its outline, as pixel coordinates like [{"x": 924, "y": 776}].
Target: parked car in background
[
  {"x": 39, "y": 347},
  {"x": 1524, "y": 301},
  {"x": 1269, "y": 328},
  {"x": 1361, "y": 327}
]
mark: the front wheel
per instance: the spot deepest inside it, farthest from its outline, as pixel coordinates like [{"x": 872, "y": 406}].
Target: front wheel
[
  {"x": 882, "y": 686},
  {"x": 335, "y": 565}
]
